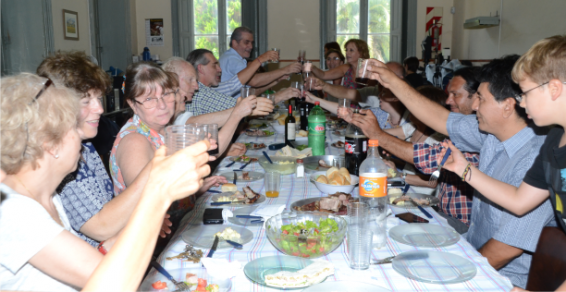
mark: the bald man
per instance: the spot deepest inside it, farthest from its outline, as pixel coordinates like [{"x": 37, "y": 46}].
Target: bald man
[{"x": 389, "y": 111}]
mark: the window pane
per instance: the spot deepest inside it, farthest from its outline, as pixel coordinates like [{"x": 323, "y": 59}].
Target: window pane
[
  {"x": 227, "y": 42},
  {"x": 206, "y": 17},
  {"x": 207, "y": 42},
  {"x": 233, "y": 15},
  {"x": 342, "y": 39},
  {"x": 348, "y": 16},
  {"x": 379, "y": 16},
  {"x": 379, "y": 46}
]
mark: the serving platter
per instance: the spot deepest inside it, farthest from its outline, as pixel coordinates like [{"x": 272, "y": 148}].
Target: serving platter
[{"x": 203, "y": 236}]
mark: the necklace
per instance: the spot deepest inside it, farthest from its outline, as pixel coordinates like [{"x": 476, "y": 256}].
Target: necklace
[{"x": 32, "y": 196}]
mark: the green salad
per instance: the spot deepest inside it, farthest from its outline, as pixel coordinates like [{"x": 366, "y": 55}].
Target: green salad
[
  {"x": 302, "y": 147},
  {"x": 306, "y": 239},
  {"x": 268, "y": 133}
]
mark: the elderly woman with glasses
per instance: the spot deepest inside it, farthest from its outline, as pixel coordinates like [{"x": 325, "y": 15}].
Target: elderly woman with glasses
[
  {"x": 39, "y": 250},
  {"x": 150, "y": 92}
]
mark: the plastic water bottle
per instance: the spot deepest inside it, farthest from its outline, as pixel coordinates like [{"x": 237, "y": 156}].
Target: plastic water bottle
[
  {"x": 373, "y": 191},
  {"x": 146, "y": 54},
  {"x": 317, "y": 130}
]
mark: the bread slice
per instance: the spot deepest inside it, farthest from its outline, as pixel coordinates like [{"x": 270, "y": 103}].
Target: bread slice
[
  {"x": 343, "y": 171},
  {"x": 229, "y": 187},
  {"x": 322, "y": 179},
  {"x": 337, "y": 179},
  {"x": 330, "y": 171}
]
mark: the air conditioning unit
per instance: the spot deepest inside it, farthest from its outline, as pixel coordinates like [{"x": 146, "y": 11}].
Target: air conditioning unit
[{"x": 481, "y": 22}]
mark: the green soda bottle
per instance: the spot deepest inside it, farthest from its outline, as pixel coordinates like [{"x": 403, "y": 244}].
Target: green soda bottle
[{"x": 317, "y": 130}]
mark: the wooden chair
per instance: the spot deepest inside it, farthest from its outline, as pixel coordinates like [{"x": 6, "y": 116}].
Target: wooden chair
[{"x": 548, "y": 266}]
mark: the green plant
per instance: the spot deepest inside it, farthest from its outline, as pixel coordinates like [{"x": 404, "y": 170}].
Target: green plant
[{"x": 206, "y": 22}]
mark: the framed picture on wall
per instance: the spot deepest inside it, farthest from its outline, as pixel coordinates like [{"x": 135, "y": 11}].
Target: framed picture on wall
[{"x": 70, "y": 25}]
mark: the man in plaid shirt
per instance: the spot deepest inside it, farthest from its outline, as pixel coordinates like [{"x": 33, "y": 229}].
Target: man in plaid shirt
[{"x": 455, "y": 195}]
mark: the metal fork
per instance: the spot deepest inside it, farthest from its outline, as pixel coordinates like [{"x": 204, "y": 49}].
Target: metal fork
[
  {"x": 181, "y": 286},
  {"x": 383, "y": 261},
  {"x": 434, "y": 176}
]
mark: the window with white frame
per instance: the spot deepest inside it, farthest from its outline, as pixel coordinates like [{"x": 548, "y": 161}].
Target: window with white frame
[
  {"x": 208, "y": 24},
  {"x": 368, "y": 20}
]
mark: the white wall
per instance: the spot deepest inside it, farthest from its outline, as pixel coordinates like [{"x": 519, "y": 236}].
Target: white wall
[
  {"x": 294, "y": 25},
  {"x": 447, "y": 19},
  {"x": 146, "y": 9},
  {"x": 523, "y": 22},
  {"x": 59, "y": 42}
]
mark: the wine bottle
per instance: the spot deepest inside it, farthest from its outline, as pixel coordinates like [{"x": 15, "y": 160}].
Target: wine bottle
[{"x": 290, "y": 127}]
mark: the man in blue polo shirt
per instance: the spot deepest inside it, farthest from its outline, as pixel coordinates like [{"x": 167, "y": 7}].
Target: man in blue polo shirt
[{"x": 234, "y": 60}]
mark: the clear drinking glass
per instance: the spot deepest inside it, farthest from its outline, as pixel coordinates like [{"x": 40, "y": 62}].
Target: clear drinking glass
[
  {"x": 359, "y": 247},
  {"x": 247, "y": 91},
  {"x": 358, "y": 214},
  {"x": 213, "y": 134},
  {"x": 278, "y": 55},
  {"x": 339, "y": 162},
  {"x": 362, "y": 73},
  {"x": 343, "y": 107},
  {"x": 272, "y": 184}
]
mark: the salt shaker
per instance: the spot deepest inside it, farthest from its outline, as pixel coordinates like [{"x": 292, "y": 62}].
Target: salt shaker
[{"x": 300, "y": 168}]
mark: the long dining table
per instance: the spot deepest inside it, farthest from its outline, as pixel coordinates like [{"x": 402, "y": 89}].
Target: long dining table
[{"x": 293, "y": 189}]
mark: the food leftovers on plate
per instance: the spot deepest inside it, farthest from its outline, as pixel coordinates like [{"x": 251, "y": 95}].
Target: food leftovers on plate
[
  {"x": 296, "y": 153},
  {"x": 402, "y": 200},
  {"x": 228, "y": 234},
  {"x": 339, "y": 133},
  {"x": 245, "y": 158},
  {"x": 190, "y": 254},
  {"x": 339, "y": 144},
  {"x": 259, "y": 133},
  {"x": 248, "y": 197},
  {"x": 391, "y": 172},
  {"x": 280, "y": 118},
  {"x": 306, "y": 239},
  {"x": 336, "y": 204},
  {"x": 257, "y": 126},
  {"x": 201, "y": 284},
  {"x": 336, "y": 177},
  {"x": 254, "y": 146},
  {"x": 302, "y": 133},
  {"x": 311, "y": 274}
]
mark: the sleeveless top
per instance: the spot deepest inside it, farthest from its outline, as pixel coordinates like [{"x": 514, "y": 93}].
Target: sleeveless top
[
  {"x": 136, "y": 125},
  {"x": 348, "y": 80}
]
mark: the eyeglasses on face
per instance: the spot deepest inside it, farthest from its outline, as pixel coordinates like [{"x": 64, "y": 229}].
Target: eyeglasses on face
[
  {"x": 151, "y": 102},
  {"x": 519, "y": 97},
  {"x": 332, "y": 59}
]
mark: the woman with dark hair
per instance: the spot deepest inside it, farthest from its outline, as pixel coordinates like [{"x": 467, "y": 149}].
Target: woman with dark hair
[
  {"x": 355, "y": 49},
  {"x": 334, "y": 58},
  {"x": 151, "y": 93}
]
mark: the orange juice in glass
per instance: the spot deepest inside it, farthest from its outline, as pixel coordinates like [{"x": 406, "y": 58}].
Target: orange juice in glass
[{"x": 272, "y": 183}]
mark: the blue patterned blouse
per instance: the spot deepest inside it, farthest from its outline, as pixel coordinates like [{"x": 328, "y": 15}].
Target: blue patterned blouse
[{"x": 85, "y": 191}]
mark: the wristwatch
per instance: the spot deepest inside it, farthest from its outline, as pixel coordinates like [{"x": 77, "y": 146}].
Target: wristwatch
[{"x": 404, "y": 176}]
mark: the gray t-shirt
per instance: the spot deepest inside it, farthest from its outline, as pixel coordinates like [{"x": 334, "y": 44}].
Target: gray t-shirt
[{"x": 25, "y": 229}]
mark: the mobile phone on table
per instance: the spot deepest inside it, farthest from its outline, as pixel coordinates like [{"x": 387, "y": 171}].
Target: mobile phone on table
[
  {"x": 212, "y": 216},
  {"x": 411, "y": 218}
]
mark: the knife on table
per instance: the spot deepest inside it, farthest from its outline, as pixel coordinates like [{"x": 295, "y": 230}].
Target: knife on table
[
  {"x": 248, "y": 217},
  {"x": 231, "y": 163},
  {"x": 235, "y": 177},
  {"x": 244, "y": 166},
  {"x": 427, "y": 214},
  {"x": 213, "y": 248}
]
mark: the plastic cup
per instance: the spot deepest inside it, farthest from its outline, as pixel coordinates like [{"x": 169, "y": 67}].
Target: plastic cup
[
  {"x": 339, "y": 162},
  {"x": 359, "y": 247},
  {"x": 272, "y": 184},
  {"x": 213, "y": 134},
  {"x": 182, "y": 136}
]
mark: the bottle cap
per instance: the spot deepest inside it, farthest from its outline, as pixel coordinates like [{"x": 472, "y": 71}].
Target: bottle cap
[
  {"x": 373, "y": 143},
  {"x": 317, "y": 103},
  {"x": 299, "y": 161}
]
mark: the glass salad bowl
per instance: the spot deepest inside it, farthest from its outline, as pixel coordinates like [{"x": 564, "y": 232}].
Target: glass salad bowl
[{"x": 306, "y": 234}]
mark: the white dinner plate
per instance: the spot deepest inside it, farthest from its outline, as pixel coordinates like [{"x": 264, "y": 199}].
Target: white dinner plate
[
  {"x": 345, "y": 286},
  {"x": 203, "y": 236},
  {"x": 424, "y": 235},
  {"x": 244, "y": 221},
  {"x": 434, "y": 267},
  {"x": 254, "y": 176},
  {"x": 180, "y": 275},
  {"x": 216, "y": 198}
]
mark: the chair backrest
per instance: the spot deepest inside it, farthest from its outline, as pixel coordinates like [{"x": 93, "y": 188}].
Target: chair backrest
[{"x": 548, "y": 266}]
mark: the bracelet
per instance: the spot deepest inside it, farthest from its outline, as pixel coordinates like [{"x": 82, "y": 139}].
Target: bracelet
[
  {"x": 101, "y": 248},
  {"x": 260, "y": 63},
  {"x": 468, "y": 169}
]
